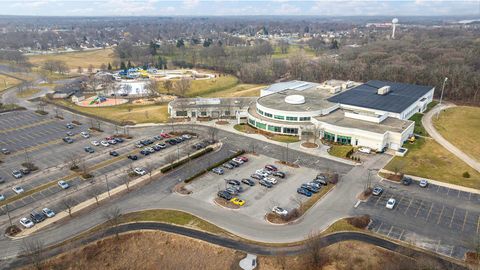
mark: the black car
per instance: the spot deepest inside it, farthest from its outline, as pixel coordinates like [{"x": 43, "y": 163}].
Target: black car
[
  {"x": 114, "y": 153},
  {"x": 156, "y": 148},
  {"x": 309, "y": 188},
  {"x": 69, "y": 126},
  {"x": 178, "y": 139},
  {"x": 233, "y": 163},
  {"x": 68, "y": 140},
  {"x": 145, "y": 152},
  {"x": 225, "y": 195},
  {"x": 227, "y": 165},
  {"x": 25, "y": 171},
  {"x": 118, "y": 140},
  {"x": 407, "y": 181},
  {"x": 233, "y": 182},
  {"x": 320, "y": 181},
  {"x": 248, "y": 182},
  {"x": 265, "y": 183},
  {"x": 157, "y": 138},
  {"x": 171, "y": 142},
  {"x": 279, "y": 174},
  {"x": 132, "y": 157},
  {"x": 89, "y": 149},
  {"x": 37, "y": 217}
]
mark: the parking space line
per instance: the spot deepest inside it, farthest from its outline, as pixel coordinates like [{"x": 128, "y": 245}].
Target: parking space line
[
  {"x": 401, "y": 234},
  {"x": 378, "y": 229},
  {"x": 405, "y": 212},
  {"x": 458, "y": 196},
  {"x": 430, "y": 211},
  {"x": 381, "y": 195},
  {"x": 388, "y": 234},
  {"x": 438, "y": 187},
  {"x": 438, "y": 245},
  {"x": 448, "y": 191},
  {"x": 441, "y": 213},
  {"x": 453, "y": 215},
  {"x": 418, "y": 210},
  {"x": 478, "y": 224},
  {"x": 464, "y": 220}
]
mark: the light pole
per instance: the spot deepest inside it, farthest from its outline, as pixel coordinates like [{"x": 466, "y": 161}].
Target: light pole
[{"x": 441, "y": 95}]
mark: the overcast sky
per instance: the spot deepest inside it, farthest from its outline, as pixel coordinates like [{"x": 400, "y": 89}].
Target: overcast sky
[{"x": 238, "y": 7}]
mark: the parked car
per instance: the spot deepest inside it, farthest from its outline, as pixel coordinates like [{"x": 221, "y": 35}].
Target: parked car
[
  {"x": 364, "y": 150},
  {"x": 218, "y": 171},
  {"x": 5, "y": 151},
  {"x": 69, "y": 126},
  {"x": 68, "y": 140},
  {"x": 271, "y": 180},
  {"x": 161, "y": 145},
  {"x": 2, "y": 197},
  {"x": 85, "y": 134},
  {"x": 231, "y": 191},
  {"x": 423, "y": 183},
  {"x": 256, "y": 176},
  {"x": 316, "y": 185},
  {"x": 89, "y": 149},
  {"x": 114, "y": 153},
  {"x": 265, "y": 183},
  {"x": 225, "y": 195},
  {"x": 27, "y": 223},
  {"x": 309, "y": 188},
  {"x": 233, "y": 182},
  {"x": 377, "y": 191},
  {"x": 139, "y": 171},
  {"x": 112, "y": 141},
  {"x": 237, "y": 201},
  {"x": 407, "y": 181},
  {"x": 186, "y": 136},
  {"x": 119, "y": 140},
  {"x": 227, "y": 165},
  {"x": 280, "y": 211},
  {"x": 25, "y": 171},
  {"x": 321, "y": 177},
  {"x": 63, "y": 184},
  {"x": 138, "y": 145},
  {"x": 238, "y": 160},
  {"x": 48, "y": 212},
  {"x": 390, "y": 203},
  {"x": 157, "y": 138},
  {"x": 17, "y": 174},
  {"x": 95, "y": 143},
  {"x": 245, "y": 159},
  {"x": 304, "y": 192},
  {"x": 233, "y": 163},
  {"x": 132, "y": 157},
  {"x": 37, "y": 217},
  {"x": 279, "y": 174},
  {"x": 18, "y": 189},
  {"x": 165, "y": 135},
  {"x": 249, "y": 182},
  {"x": 104, "y": 143},
  {"x": 271, "y": 168},
  {"x": 156, "y": 148},
  {"x": 144, "y": 152},
  {"x": 320, "y": 182},
  {"x": 262, "y": 173}
]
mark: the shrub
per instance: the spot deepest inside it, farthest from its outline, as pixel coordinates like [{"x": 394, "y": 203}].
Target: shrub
[
  {"x": 360, "y": 222},
  {"x": 241, "y": 152},
  {"x": 466, "y": 175},
  {"x": 185, "y": 160}
]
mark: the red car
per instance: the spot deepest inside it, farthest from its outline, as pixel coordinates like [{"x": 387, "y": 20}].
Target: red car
[
  {"x": 109, "y": 138},
  {"x": 271, "y": 168},
  {"x": 164, "y": 135},
  {"x": 244, "y": 159}
]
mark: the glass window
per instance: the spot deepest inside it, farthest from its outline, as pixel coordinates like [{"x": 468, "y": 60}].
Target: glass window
[
  {"x": 290, "y": 130},
  {"x": 203, "y": 113},
  {"x": 260, "y": 111},
  {"x": 268, "y": 115},
  {"x": 261, "y": 125},
  {"x": 226, "y": 113},
  {"x": 181, "y": 113},
  {"x": 274, "y": 128},
  {"x": 251, "y": 121},
  {"x": 280, "y": 117},
  {"x": 291, "y": 118},
  {"x": 305, "y": 118},
  {"x": 329, "y": 136}
]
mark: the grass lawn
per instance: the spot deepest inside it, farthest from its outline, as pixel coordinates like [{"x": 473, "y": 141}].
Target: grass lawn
[
  {"x": 76, "y": 59},
  {"x": 293, "y": 49},
  {"x": 28, "y": 92},
  {"x": 426, "y": 158},
  {"x": 275, "y": 137},
  {"x": 418, "y": 129},
  {"x": 7, "y": 82},
  {"x": 460, "y": 126},
  {"x": 239, "y": 90},
  {"x": 208, "y": 87},
  {"x": 138, "y": 113},
  {"x": 340, "y": 150}
]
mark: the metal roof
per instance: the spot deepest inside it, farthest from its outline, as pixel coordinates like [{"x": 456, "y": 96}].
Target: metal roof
[
  {"x": 400, "y": 97},
  {"x": 292, "y": 85}
]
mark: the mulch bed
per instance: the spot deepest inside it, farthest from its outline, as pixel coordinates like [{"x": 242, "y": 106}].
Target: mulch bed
[
  {"x": 226, "y": 203},
  {"x": 309, "y": 145}
]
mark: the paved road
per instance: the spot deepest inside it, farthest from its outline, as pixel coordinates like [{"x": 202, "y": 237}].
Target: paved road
[
  {"x": 427, "y": 123},
  {"x": 258, "y": 249}
]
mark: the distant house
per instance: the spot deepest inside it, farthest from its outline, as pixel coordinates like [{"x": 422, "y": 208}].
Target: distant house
[{"x": 78, "y": 97}]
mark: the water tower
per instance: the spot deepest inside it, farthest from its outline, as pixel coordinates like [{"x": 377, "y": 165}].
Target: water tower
[{"x": 394, "y": 24}]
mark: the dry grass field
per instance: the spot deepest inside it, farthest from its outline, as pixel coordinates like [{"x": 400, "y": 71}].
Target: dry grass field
[
  {"x": 7, "y": 82},
  {"x": 78, "y": 59}
]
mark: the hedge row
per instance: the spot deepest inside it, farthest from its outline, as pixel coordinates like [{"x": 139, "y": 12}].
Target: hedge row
[
  {"x": 185, "y": 160},
  {"x": 238, "y": 153}
]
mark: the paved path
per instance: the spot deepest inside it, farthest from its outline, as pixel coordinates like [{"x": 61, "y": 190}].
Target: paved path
[
  {"x": 253, "y": 248},
  {"x": 428, "y": 125}
]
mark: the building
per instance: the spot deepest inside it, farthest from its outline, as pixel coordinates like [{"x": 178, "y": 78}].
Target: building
[
  {"x": 78, "y": 97},
  {"x": 373, "y": 114},
  {"x": 208, "y": 107}
]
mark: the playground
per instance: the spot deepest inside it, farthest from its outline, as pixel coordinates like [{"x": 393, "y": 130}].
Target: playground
[{"x": 101, "y": 101}]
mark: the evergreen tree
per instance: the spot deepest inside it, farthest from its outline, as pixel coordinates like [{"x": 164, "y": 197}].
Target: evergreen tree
[
  {"x": 109, "y": 67},
  {"x": 129, "y": 64},
  {"x": 153, "y": 48},
  {"x": 122, "y": 65},
  {"x": 180, "y": 43}
]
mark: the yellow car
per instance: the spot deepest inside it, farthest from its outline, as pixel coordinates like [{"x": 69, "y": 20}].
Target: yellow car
[{"x": 237, "y": 201}]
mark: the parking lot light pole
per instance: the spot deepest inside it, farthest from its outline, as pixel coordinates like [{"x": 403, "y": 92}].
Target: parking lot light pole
[
  {"x": 8, "y": 214},
  {"x": 441, "y": 95},
  {"x": 108, "y": 188}
]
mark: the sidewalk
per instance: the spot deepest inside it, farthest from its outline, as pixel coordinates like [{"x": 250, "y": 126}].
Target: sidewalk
[
  {"x": 438, "y": 183},
  {"x": 321, "y": 151}
]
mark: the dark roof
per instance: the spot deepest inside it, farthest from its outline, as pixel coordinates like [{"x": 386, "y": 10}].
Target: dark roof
[{"x": 400, "y": 97}]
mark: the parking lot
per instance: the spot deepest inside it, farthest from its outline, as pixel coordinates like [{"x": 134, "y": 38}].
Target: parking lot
[
  {"x": 258, "y": 199},
  {"x": 437, "y": 218}
]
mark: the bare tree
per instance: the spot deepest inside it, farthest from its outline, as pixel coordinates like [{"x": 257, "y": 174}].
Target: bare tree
[
  {"x": 112, "y": 215},
  {"x": 73, "y": 160},
  {"x": 314, "y": 245},
  {"x": 168, "y": 85},
  {"x": 95, "y": 192},
  {"x": 33, "y": 250},
  {"x": 152, "y": 88},
  {"x": 69, "y": 203},
  {"x": 182, "y": 86},
  {"x": 126, "y": 180},
  {"x": 170, "y": 158},
  {"x": 149, "y": 167},
  {"x": 284, "y": 46},
  {"x": 79, "y": 70},
  {"x": 213, "y": 133}
]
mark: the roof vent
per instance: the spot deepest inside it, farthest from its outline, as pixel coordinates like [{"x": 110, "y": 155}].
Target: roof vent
[
  {"x": 383, "y": 90},
  {"x": 295, "y": 99}
]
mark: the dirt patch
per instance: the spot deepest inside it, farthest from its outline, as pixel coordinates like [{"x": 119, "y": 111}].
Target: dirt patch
[
  {"x": 12, "y": 230},
  {"x": 283, "y": 219},
  {"x": 222, "y": 122},
  {"x": 156, "y": 100},
  {"x": 181, "y": 189},
  {"x": 289, "y": 164},
  {"x": 225, "y": 203},
  {"x": 309, "y": 145},
  {"x": 394, "y": 177},
  {"x": 365, "y": 194},
  {"x": 360, "y": 222}
]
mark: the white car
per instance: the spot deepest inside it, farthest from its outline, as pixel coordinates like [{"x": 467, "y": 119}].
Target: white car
[
  {"x": 279, "y": 211},
  {"x": 271, "y": 180},
  {"x": 27, "y": 223},
  {"x": 85, "y": 134},
  {"x": 2, "y": 197},
  {"x": 364, "y": 150},
  {"x": 63, "y": 184},
  {"x": 139, "y": 171},
  {"x": 262, "y": 173},
  {"x": 238, "y": 160},
  {"x": 18, "y": 189},
  {"x": 95, "y": 143},
  {"x": 186, "y": 136},
  {"x": 48, "y": 212},
  {"x": 390, "y": 203},
  {"x": 104, "y": 143}
]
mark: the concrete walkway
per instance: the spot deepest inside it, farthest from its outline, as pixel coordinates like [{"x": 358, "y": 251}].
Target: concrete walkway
[{"x": 428, "y": 125}]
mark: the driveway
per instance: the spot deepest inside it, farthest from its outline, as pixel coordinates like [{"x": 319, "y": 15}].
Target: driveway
[{"x": 428, "y": 125}]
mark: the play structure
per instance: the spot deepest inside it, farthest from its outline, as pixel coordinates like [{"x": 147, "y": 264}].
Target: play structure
[
  {"x": 101, "y": 101},
  {"x": 97, "y": 100}
]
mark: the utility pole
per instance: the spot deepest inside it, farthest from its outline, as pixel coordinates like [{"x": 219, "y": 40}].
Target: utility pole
[
  {"x": 8, "y": 214},
  {"x": 108, "y": 188},
  {"x": 441, "y": 95}
]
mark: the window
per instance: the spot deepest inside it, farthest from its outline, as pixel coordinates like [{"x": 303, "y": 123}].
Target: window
[
  {"x": 226, "y": 113},
  {"x": 279, "y": 117},
  {"x": 305, "y": 118},
  {"x": 290, "y": 130},
  {"x": 203, "y": 113},
  {"x": 329, "y": 136},
  {"x": 291, "y": 118},
  {"x": 344, "y": 139},
  {"x": 251, "y": 121},
  {"x": 274, "y": 128},
  {"x": 260, "y": 111},
  {"x": 181, "y": 113},
  {"x": 268, "y": 115},
  {"x": 261, "y": 125}
]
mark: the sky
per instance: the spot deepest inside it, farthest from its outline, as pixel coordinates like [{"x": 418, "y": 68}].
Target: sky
[{"x": 239, "y": 7}]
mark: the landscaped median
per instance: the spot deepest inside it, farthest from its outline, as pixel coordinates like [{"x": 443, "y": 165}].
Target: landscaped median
[{"x": 116, "y": 191}]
